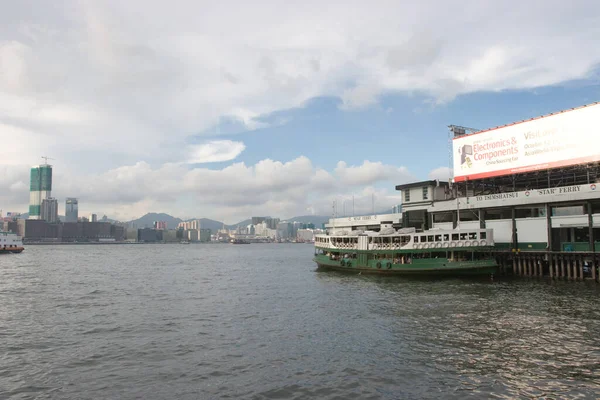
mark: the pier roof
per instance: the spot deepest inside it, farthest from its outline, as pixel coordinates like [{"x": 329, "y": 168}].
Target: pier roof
[{"x": 421, "y": 183}]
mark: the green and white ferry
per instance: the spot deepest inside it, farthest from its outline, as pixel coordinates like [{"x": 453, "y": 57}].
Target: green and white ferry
[{"x": 406, "y": 251}]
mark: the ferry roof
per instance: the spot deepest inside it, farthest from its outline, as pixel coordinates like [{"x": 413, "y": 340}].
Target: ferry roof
[{"x": 421, "y": 183}]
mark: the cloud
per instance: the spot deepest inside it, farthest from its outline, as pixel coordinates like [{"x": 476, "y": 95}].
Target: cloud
[
  {"x": 231, "y": 193},
  {"x": 370, "y": 172},
  {"x": 215, "y": 151},
  {"x": 137, "y": 79},
  {"x": 441, "y": 173}
]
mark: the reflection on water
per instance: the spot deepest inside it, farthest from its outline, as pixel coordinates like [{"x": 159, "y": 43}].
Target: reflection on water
[{"x": 218, "y": 321}]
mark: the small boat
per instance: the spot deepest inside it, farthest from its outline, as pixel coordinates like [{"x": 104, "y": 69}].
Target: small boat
[
  {"x": 239, "y": 241},
  {"x": 184, "y": 242},
  {"x": 10, "y": 243},
  {"x": 454, "y": 252}
]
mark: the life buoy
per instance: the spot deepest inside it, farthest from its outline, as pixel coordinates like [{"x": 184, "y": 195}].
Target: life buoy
[
  {"x": 453, "y": 244},
  {"x": 438, "y": 245},
  {"x": 378, "y": 265},
  {"x": 446, "y": 245},
  {"x": 388, "y": 265},
  {"x": 460, "y": 244},
  {"x": 483, "y": 242},
  {"x": 425, "y": 245},
  {"x": 467, "y": 243},
  {"x": 475, "y": 243}
]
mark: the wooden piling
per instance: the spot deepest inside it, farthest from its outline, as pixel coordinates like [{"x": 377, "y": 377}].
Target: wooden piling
[
  {"x": 562, "y": 267},
  {"x": 551, "y": 266}
]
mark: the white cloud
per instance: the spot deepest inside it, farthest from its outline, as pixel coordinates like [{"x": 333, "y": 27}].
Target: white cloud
[
  {"x": 215, "y": 151},
  {"x": 441, "y": 173},
  {"x": 370, "y": 172},
  {"x": 98, "y": 85},
  {"x": 232, "y": 193},
  {"x": 136, "y": 79}
]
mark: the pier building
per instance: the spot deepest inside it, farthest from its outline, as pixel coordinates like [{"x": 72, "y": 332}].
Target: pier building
[{"x": 535, "y": 183}]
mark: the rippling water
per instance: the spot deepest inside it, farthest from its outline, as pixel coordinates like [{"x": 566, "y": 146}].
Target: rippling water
[{"x": 257, "y": 321}]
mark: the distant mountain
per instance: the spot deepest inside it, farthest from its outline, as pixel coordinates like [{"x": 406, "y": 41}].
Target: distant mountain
[{"x": 147, "y": 221}]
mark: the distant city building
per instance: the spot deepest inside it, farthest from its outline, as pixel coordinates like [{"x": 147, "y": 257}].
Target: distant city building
[
  {"x": 93, "y": 218},
  {"x": 40, "y": 188},
  {"x": 305, "y": 235},
  {"x": 193, "y": 235},
  {"x": 49, "y": 210},
  {"x": 104, "y": 218},
  {"x": 160, "y": 225},
  {"x": 188, "y": 225},
  {"x": 71, "y": 209},
  {"x": 205, "y": 235},
  {"x": 272, "y": 222},
  {"x": 257, "y": 220}
]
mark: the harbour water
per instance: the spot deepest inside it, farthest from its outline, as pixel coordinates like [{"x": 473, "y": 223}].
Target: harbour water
[{"x": 258, "y": 322}]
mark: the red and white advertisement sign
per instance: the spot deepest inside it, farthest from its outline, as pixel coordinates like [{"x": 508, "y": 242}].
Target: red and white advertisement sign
[{"x": 566, "y": 138}]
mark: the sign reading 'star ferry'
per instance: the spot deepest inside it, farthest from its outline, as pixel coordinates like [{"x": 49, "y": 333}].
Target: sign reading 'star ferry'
[
  {"x": 567, "y": 138},
  {"x": 539, "y": 193}
]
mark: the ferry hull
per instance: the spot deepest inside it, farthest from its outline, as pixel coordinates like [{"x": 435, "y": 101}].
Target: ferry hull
[
  {"x": 480, "y": 268},
  {"x": 12, "y": 250}
]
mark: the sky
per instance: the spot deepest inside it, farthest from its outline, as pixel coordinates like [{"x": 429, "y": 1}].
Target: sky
[{"x": 231, "y": 109}]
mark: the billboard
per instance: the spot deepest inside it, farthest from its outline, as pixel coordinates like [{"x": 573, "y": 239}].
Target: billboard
[{"x": 557, "y": 140}]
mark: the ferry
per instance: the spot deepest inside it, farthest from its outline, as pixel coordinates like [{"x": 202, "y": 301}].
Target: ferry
[
  {"x": 10, "y": 243},
  {"x": 435, "y": 252}
]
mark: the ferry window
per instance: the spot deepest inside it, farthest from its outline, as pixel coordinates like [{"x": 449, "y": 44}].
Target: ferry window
[
  {"x": 425, "y": 192},
  {"x": 482, "y": 235},
  {"x": 406, "y": 194},
  {"x": 446, "y": 237},
  {"x": 463, "y": 236},
  {"x": 438, "y": 238},
  {"x": 430, "y": 238},
  {"x": 473, "y": 235},
  {"x": 416, "y": 239},
  {"x": 455, "y": 236},
  {"x": 423, "y": 239}
]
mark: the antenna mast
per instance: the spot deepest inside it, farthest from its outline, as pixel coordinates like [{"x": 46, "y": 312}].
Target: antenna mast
[{"x": 46, "y": 159}]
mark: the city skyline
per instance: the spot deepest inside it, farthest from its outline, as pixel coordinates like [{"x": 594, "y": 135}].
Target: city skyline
[{"x": 281, "y": 111}]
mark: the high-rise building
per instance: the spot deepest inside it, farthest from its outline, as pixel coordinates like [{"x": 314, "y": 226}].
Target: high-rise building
[
  {"x": 71, "y": 209},
  {"x": 257, "y": 220},
  {"x": 93, "y": 218},
  {"x": 40, "y": 188},
  {"x": 160, "y": 225},
  {"x": 49, "y": 210},
  {"x": 188, "y": 225}
]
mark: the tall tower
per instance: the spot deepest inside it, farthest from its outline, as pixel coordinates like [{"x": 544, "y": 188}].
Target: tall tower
[
  {"x": 40, "y": 188},
  {"x": 71, "y": 209}
]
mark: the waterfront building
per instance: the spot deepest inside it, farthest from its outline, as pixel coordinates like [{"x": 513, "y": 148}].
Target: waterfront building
[
  {"x": 40, "y": 188},
  {"x": 535, "y": 183},
  {"x": 71, "y": 209},
  {"x": 93, "y": 218},
  {"x": 49, "y": 210},
  {"x": 305, "y": 235},
  {"x": 205, "y": 235},
  {"x": 170, "y": 236},
  {"x": 193, "y": 235}
]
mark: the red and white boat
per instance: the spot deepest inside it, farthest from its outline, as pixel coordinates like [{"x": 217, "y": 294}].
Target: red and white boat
[{"x": 10, "y": 243}]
